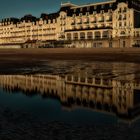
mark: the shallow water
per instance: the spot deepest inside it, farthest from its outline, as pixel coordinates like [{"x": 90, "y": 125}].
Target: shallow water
[{"x": 76, "y": 93}]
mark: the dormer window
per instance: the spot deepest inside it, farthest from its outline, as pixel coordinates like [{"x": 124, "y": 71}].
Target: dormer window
[
  {"x": 102, "y": 12},
  {"x": 125, "y": 9},
  {"x": 94, "y": 12},
  {"x": 80, "y": 14},
  {"x": 120, "y": 10},
  {"x": 102, "y": 6},
  {"x": 87, "y": 13},
  {"x": 120, "y": 17},
  {"x": 74, "y": 15},
  {"x": 110, "y": 11},
  {"x": 95, "y": 7},
  {"x": 88, "y": 8},
  {"x": 110, "y": 5}
]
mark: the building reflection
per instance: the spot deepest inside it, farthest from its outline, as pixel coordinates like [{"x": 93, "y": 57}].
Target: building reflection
[{"x": 116, "y": 97}]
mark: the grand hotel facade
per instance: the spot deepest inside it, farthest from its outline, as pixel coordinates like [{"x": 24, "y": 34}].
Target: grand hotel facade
[{"x": 114, "y": 23}]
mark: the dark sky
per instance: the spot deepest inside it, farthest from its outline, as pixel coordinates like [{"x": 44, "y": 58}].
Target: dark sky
[{"x": 18, "y": 8}]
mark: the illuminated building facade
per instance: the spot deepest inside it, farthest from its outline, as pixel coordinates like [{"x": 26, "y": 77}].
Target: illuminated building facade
[{"x": 114, "y": 23}]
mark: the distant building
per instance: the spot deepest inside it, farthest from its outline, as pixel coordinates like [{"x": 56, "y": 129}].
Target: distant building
[{"x": 115, "y": 23}]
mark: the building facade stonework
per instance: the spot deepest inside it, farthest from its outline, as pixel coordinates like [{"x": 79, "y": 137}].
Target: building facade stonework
[{"x": 114, "y": 23}]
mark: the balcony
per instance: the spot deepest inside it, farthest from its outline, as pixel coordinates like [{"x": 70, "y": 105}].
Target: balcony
[
  {"x": 93, "y": 20},
  {"x": 79, "y": 21},
  {"x": 73, "y": 23},
  {"x": 108, "y": 18},
  {"x": 78, "y": 27},
  {"x": 92, "y": 26},
  {"x": 85, "y": 20},
  {"x": 101, "y": 19},
  {"x": 100, "y": 25},
  {"x": 85, "y": 26}
]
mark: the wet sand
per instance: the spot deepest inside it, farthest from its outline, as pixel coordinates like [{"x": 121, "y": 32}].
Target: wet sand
[
  {"x": 14, "y": 59},
  {"x": 20, "y": 125},
  {"x": 31, "y": 57},
  {"x": 98, "y": 54}
]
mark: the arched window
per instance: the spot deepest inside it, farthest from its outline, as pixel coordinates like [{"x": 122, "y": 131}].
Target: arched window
[
  {"x": 97, "y": 35},
  {"x": 75, "y": 36},
  {"x": 69, "y": 36},
  {"x": 82, "y": 35},
  {"x": 105, "y": 34},
  {"x": 120, "y": 17},
  {"x": 122, "y": 32},
  {"x": 90, "y": 35},
  {"x": 125, "y": 9}
]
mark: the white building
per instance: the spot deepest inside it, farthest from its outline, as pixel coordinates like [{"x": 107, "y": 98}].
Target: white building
[{"x": 114, "y": 23}]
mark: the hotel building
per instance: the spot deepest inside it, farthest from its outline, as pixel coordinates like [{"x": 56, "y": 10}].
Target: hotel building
[{"x": 114, "y": 23}]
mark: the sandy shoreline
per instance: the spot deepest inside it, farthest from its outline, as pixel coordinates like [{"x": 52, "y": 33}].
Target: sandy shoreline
[
  {"x": 11, "y": 59},
  {"x": 21, "y": 125},
  {"x": 101, "y": 54}
]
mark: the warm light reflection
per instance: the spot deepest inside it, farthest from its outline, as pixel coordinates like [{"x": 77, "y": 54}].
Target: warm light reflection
[{"x": 120, "y": 97}]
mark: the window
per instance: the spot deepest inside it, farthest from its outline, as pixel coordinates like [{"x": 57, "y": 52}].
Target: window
[
  {"x": 124, "y": 17},
  {"x": 102, "y": 6},
  {"x": 110, "y": 5},
  {"x": 120, "y": 17},
  {"x": 125, "y": 9},
  {"x": 97, "y": 35},
  {"x": 95, "y": 7},
  {"x": 122, "y": 33},
  {"x": 87, "y": 13},
  {"x": 80, "y": 14},
  {"x": 88, "y": 8},
  {"x": 105, "y": 34},
  {"x": 124, "y": 23},
  {"x": 119, "y": 10},
  {"x": 94, "y": 12},
  {"x": 102, "y": 11},
  {"x": 120, "y": 24},
  {"x": 75, "y": 35},
  {"x": 74, "y": 15},
  {"x": 82, "y": 35},
  {"x": 90, "y": 35},
  {"x": 110, "y": 11},
  {"x": 69, "y": 36},
  {"x": 124, "y": 44}
]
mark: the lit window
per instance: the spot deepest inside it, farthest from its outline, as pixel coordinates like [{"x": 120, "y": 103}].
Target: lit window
[
  {"x": 102, "y": 6},
  {"x": 87, "y": 13},
  {"x": 110, "y": 5}
]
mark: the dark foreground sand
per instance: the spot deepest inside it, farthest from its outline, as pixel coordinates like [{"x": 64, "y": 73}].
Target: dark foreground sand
[
  {"x": 19, "y": 125},
  {"x": 12, "y": 59},
  {"x": 98, "y": 54}
]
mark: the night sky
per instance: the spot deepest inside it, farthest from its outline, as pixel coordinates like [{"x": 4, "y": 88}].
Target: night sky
[{"x": 19, "y": 8}]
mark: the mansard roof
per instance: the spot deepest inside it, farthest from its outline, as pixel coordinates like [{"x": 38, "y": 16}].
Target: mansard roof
[
  {"x": 71, "y": 9},
  {"x": 10, "y": 20},
  {"x": 29, "y": 17},
  {"x": 51, "y": 16},
  {"x": 106, "y": 5}
]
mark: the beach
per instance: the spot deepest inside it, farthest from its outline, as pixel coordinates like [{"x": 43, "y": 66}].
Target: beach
[
  {"x": 92, "y": 54},
  {"x": 11, "y": 60},
  {"x": 20, "y": 123}
]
